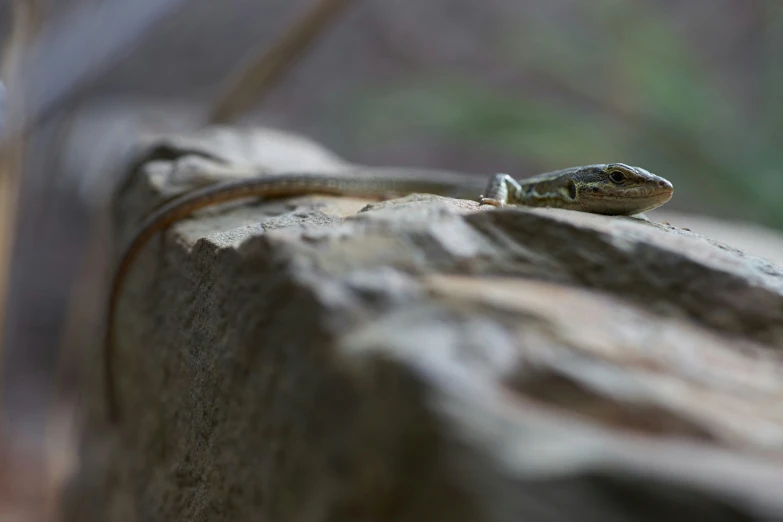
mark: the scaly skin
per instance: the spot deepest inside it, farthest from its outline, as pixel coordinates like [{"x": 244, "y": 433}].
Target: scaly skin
[{"x": 613, "y": 189}]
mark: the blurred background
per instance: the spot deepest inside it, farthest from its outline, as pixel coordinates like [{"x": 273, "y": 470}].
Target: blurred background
[{"x": 692, "y": 91}]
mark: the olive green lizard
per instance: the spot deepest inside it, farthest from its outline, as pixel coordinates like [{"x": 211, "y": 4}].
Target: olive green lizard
[{"x": 611, "y": 189}]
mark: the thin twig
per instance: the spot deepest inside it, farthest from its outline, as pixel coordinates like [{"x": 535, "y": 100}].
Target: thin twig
[
  {"x": 265, "y": 69},
  {"x": 26, "y": 24},
  {"x": 63, "y": 62}
]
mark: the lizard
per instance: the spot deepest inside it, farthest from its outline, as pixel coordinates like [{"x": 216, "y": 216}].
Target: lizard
[{"x": 610, "y": 189}]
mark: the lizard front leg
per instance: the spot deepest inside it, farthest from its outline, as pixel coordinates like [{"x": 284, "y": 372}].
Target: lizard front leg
[{"x": 502, "y": 190}]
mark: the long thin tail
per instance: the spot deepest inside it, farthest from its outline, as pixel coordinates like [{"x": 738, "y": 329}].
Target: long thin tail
[{"x": 368, "y": 182}]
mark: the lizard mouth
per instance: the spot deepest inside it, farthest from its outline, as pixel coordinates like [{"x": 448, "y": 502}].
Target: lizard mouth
[
  {"x": 630, "y": 203},
  {"x": 661, "y": 189},
  {"x": 664, "y": 194}
]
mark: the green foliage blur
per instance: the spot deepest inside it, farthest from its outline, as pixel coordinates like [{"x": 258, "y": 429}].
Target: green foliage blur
[{"x": 620, "y": 82}]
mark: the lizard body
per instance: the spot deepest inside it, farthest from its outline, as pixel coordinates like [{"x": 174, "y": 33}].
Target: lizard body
[{"x": 612, "y": 189}]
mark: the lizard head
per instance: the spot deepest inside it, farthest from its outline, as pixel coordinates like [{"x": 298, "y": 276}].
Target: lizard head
[{"x": 619, "y": 189}]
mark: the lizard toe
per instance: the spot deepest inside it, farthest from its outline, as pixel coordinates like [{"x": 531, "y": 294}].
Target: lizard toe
[{"x": 489, "y": 201}]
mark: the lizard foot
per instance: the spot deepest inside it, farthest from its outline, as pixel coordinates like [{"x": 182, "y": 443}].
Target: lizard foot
[{"x": 489, "y": 201}]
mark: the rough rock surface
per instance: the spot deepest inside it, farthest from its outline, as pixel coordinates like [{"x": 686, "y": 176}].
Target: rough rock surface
[{"x": 420, "y": 359}]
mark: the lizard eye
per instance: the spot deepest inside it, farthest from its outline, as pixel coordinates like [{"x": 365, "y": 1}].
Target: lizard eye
[{"x": 617, "y": 176}]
